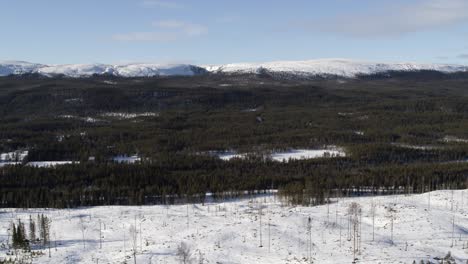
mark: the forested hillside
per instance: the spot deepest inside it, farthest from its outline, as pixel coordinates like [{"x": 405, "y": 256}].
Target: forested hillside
[{"x": 400, "y": 134}]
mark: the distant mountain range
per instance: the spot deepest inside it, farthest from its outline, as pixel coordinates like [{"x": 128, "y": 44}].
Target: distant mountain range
[{"x": 310, "y": 68}]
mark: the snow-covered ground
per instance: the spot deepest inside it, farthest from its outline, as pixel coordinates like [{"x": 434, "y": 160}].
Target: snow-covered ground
[
  {"x": 320, "y": 67},
  {"x": 17, "y": 155},
  {"x": 230, "y": 232},
  {"x": 127, "y": 159},
  {"x": 285, "y": 156},
  {"x": 300, "y": 154},
  {"x": 8, "y": 163},
  {"x": 50, "y": 164},
  {"x": 122, "y": 115},
  {"x": 87, "y": 119},
  {"x": 454, "y": 139},
  {"x": 229, "y": 155}
]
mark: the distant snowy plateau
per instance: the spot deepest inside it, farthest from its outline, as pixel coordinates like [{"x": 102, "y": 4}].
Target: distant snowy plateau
[{"x": 322, "y": 67}]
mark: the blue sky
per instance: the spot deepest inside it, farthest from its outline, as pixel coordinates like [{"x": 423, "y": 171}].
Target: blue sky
[{"x": 224, "y": 31}]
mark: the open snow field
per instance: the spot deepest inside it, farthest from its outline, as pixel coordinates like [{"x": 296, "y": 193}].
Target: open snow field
[
  {"x": 230, "y": 232},
  {"x": 293, "y": 154}
]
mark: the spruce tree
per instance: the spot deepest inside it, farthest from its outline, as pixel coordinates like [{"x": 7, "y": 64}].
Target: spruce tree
[{"x": 32, "y": 230}]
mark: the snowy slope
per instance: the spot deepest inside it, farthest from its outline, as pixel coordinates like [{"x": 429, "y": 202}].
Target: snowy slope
[
  {"x": 18, "y": 67},
  {"x": 86, "y": 70},
  {"x": 149, "y": 70},
  {"x": 76, "y": 70},
  {"x": 321, "y": 67},
  {"x": 230, "y": 232},
  {"x": 336, "y": 67}
]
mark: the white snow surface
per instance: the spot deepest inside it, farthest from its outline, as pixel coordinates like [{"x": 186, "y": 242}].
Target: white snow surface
[
  {"x": 230, "y": 155},
  {"x": 127, "y": 159},
  {"x": 18, "y": 155},
  {"x": 18, "y": 67},
  {"x": 123, "y": 115},
  {"x": 86, "y": 70},
  {"x": 50, "y": 164},
  {"x": 8, "y": 163},
  {"x": 299, "y": 154},
  {"x": 293, "y": 154},
  {"x": 230, "y": 232},
  {"x": 337, "y": 67},
  {"x": 319, "y": 67}
]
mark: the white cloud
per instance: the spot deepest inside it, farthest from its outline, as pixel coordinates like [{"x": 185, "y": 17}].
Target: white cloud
[
  {"x": 181, "y": 27},
  {"x": 463, "y": 56},
  {"x": 145, "y": 37},
  {"x": 167, "y": 31},
  {"x": 422, "y": 15},
  {"x": 161, "y": 4}
]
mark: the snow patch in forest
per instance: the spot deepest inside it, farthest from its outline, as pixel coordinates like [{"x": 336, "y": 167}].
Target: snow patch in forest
[
  {"x": 127, "y": 159},
  {"x": 86, "y": 119},
  {"x": 50, "y": 164},
  {"x": 302, "y": 154},
  {"x": 18, "y": 155},
  {"x": 8, "y": 163},
  {"x": 229, "y": 155},
  {"x": 454, "y": 139},
  {"x": 417, "y": 147},
  {"x": 285, "y": 156},
  {"x": 359, "y": 133},
  {"x": 122, "y": 115}
]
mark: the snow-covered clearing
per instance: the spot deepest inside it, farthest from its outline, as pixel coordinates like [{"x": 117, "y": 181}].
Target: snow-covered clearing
[
  {"x": 228, "y": 155},
  {"x": 307, "y": 154},
  {"x": 8, "y": 163},
  {"x": 454, "y": 139},
  {"x": 285, "y": 156},
  {"x": 127, "y": 159},
  {"x": 230, "y": 232},
  {"x": 87, "y": 119},
  {"x": 49, "y": 164},
  {"x": 122, "y": 115},
  {"x": 17, "y": 155}
]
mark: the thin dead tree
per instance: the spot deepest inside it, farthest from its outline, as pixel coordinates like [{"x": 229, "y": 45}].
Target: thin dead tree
[
  {"x": 354, "y": 211},
  {"x": 124, "y": 240},
  {"x": 391, "y": 214},
  {"x": 260, "y": 218},
  {"x": 373, "y": 211},
  {"x": 341, "y": 227},
  {"x": 451, "y": 201},
  {"x": 83, "y": 227},
  {"x": 188, "y": 217},
  {"x": 142, "y": 219},
  {"x": 183, "y": 252},
  {"x": 453, "y": 230},
  {"x": 309, "y": 241},
  {"x": 429, "y": 200},
  {"x": 100, "y": 234},
  {"x": 134, "y": 235},
  {"x": 269, "y": 232}
]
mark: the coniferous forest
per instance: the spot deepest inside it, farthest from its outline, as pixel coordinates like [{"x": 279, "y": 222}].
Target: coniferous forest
[{"x": 404, "y": 134}]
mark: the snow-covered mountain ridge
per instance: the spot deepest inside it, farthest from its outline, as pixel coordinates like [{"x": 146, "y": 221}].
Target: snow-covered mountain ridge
[
  {"x": 86, "y": 70},
  {"x": 335, "y": 67},
  {"x": 321, "y": 67}
]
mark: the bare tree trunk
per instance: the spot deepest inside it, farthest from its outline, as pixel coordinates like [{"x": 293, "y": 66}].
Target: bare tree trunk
[
  {"x": 260, "y": 217},
  {"x": 100, "y": 234},
  {"x": 429, "y": 200},
  {"x": 269, "y": 234},
  {"x": 453, "y": 230},
  {"x": 392, "y": 229}
]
